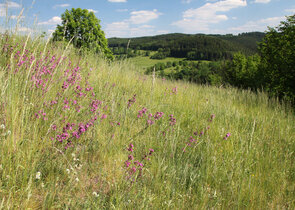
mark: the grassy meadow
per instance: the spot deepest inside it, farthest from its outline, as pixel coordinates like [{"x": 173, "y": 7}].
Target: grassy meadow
[
  {"x": 80, "y": 132},
  {"x": 142, "y": 62}
]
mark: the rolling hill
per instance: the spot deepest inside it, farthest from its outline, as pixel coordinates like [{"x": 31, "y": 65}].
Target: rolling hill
[{"x": 193, "y": 47}]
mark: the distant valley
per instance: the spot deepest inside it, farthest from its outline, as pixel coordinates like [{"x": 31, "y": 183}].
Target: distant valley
[{"x": 191, "y": 47}]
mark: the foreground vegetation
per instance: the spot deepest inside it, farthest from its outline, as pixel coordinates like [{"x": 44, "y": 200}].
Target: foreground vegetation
[{"x": 81, "y": 132}]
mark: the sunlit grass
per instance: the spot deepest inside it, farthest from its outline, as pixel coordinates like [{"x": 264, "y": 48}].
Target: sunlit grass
[
  {"x": 144, "y": 61},
  {"x": 252, "y": 169}
]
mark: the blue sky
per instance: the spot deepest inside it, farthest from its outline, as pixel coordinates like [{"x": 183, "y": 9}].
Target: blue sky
[{"x": 132, "y": 18}]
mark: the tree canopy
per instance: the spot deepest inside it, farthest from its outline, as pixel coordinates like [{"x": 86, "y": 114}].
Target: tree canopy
[
  {"x": 83, "y": 29},
  {"x": 278, "y": 59}
]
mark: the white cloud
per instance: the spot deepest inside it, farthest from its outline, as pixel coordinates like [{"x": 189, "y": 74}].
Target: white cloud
[
  {"x": 144, "y": 30},
  {"x": 199, "y": 19},
  {"x": 259, "y": 25},
  {"x": 92, "y": 10},
  {"x": 262, "y": 1},
  {"x": 53, "y": 21},
  {"x": 135, "y": 25},
  {"x": 118, "y": 29},
  {"x": 125, "y": 29},
  {"x": 117, "y": 1},
  {"x": 8, "y": 5},
  {"x": 143, "y": 16},
  {"x": 61, "y": 5}
]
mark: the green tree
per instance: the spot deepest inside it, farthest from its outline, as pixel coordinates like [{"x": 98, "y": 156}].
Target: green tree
[
  {"x": 82, "y": 28},
  {"x": 243, "y": 71},
  {"x": 278, "y": 59}
]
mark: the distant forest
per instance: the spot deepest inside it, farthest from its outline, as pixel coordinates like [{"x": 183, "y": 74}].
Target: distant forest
[{"x": 191, "y": 47}]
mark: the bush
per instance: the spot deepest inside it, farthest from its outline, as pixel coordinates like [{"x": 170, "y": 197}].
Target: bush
[
  {"x": 159, "y": 55},
  {"x": 243, "y": 71}
]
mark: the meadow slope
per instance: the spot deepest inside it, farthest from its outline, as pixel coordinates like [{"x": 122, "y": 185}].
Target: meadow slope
[{"x": 80, "y": 132}]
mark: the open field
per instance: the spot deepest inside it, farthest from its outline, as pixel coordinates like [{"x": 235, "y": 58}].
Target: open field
[
  {"x": 144, "y": 61},
  {"x": 80, "y": 132}
]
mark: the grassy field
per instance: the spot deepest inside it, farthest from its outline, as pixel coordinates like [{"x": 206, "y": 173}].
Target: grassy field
[
  {"x": 144, "y": 61},
  {"x": 79, "y": 132}
]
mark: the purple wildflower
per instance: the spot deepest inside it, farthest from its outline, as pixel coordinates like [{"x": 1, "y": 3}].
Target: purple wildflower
[{"x": 226, "y": 136}]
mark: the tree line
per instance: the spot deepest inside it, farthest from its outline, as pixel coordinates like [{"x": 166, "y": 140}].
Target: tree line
[{"x": 191, "y": 47}]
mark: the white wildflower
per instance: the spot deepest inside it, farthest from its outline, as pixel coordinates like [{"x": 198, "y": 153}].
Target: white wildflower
[
  {"x": 95, "y": 194},
  {"x": 2, "y": 126},
  {"x": 78, "y": 166},
  {"x": 68, "y": 171},
  {"x": 8, "y": 133},
  {"x": 77, "y": 179},
  {"x": 38, "y": 175}
]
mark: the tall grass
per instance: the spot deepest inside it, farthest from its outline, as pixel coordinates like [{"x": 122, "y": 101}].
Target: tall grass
[{"x": 81, "y": 132}]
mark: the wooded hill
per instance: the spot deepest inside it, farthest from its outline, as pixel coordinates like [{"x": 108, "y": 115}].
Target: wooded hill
[{"x": 192, "y": 47}]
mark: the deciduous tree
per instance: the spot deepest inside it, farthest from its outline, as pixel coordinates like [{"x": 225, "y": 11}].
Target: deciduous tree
[
  {"x": 278, "y": 59},
  {"x": 83, "y": 29}
]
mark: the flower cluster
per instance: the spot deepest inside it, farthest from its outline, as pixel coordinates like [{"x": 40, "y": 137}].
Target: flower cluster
[
  {"x": 198, "y": 135},
  {"x": 131, "y": 101},
  {"x": 158, "y": 115},
  {"x": 141, "y": 112},
  {"x": 152, "y": 118},
  {"x": 131, "y": 147},
  {"x": 172, "y": 120},
  {"x": 95, "y": 104},
  {"x": 146, "y": 156},
  {"x": 134, "y": 168},
  {"x": 70, "y": 108},
  {"x": 174, "y": 90}
]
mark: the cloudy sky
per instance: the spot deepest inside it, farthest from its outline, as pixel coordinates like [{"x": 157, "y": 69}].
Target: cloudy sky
[{"x": 132, "y": 18}]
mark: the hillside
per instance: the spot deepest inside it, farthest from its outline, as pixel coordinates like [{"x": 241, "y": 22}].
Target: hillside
[
  {"x": 81, "y": 132},
  {"x": 194, "y": 47}
]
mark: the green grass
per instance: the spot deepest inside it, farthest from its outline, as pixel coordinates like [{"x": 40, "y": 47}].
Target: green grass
[
  {"x": 143, "y": 61},
  {"x": 252, "y": 169}
]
